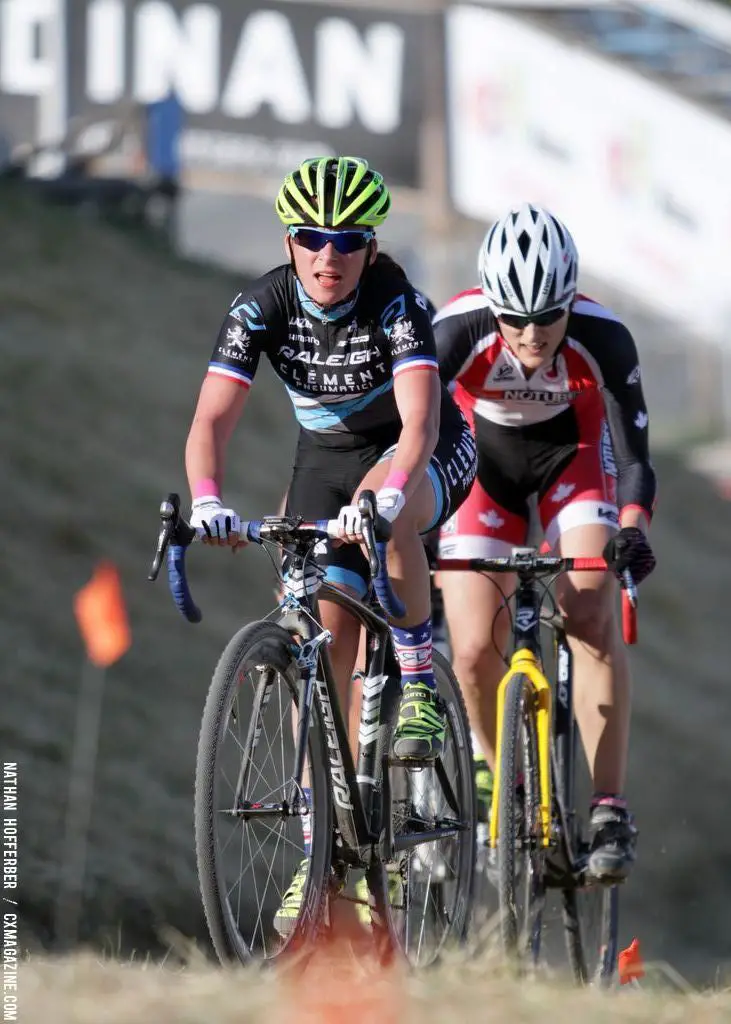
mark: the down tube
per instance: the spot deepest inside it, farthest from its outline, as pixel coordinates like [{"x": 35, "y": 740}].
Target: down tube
[
  {"x": 564, "y": 728},
  {"x": 347, "y": 804},
  {"x": 381, "y": 693}
]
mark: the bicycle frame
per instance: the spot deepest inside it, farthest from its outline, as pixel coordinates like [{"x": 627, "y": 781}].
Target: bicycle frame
[
  {"x": 526, "y": 660},
  {"x": 353, "y": 790},
  {"x": 358, "y": 814}
]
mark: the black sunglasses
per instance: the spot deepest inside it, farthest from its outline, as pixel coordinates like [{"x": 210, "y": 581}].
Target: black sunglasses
[
  {"x": 345, "y": 242},
  {"x": 551, "y": 316}
]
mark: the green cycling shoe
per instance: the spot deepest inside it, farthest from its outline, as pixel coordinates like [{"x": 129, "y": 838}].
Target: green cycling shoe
[
  {"x": 419, "y": 733},
  {"x": 484, "y": 784},
  {"x": 291, "y": 905}
]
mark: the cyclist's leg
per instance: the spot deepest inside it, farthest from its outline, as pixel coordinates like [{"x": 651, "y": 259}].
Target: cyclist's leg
[
  {"x": 318, "y": 490},
  {"x": 411, "y": 635},
  {"x": 473, "y": 604},
  {"x": 420, "y": 729},
  {"x": 579, "y": 515},
  {"x": 492, "y": 520},
  {"x": 322, "y": 482}
]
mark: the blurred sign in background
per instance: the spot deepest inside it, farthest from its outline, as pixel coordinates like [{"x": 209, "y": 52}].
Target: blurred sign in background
[
  {"x": 619, "y": 157},
  {"x": 262, "y": 86}
]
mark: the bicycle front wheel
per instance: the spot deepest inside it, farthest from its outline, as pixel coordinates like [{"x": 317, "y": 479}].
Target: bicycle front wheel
[
  {"x": 520, "y": 851},
  {"x": 424, "y": 894},
  {"x": 263, "y": 893}
]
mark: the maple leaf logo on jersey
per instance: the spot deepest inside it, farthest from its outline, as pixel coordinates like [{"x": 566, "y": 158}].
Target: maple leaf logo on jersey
[
  {"x": 634, "y": 377},
  {"x": 641, "y": 420},
  {"x": 492, "y": 520},
  {"x": 402, "y": 330},
  {"x": 238, "y": 337},
  {"x": 562, "y": 492}
]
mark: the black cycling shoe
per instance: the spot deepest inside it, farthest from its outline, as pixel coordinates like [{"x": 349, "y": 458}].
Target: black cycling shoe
[{"x": 613, "y": 840}]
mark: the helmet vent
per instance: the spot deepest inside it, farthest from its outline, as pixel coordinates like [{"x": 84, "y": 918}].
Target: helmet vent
[
  {"x": 515, "y": 283},
  {"x": 524, "y": 241}
]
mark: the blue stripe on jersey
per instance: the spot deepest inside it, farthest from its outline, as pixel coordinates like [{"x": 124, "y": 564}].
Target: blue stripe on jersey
[
  {"x": 439, "y": 496},
  {"x": 325, "y": 417},
  {"x": 327, "y": 314}
]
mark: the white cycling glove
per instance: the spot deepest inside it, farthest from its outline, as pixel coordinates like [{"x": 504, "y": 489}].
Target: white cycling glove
[
  {"x": 389, "y": 502},
  {"x": 349, "y": 520},
  {"x": 211, "y": 519}
]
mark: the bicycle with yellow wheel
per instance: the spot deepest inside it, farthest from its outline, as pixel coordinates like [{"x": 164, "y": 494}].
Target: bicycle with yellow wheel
[{"x": 535, "y": 830}]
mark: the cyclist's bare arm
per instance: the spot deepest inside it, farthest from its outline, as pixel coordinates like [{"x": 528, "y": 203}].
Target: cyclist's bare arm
[
  {"x": 418, "y": 399},
  {"x": 220, "y": 403}
]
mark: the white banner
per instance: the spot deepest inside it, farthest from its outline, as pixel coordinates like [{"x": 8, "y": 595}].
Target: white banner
[{"x": 641, "y": 177}]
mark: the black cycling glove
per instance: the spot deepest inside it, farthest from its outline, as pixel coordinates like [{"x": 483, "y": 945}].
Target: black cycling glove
[{"x": 630, "y": 549}]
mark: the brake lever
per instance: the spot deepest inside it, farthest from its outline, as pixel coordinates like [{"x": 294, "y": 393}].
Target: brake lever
[
  {"x": 630, "y": 587},
  {"x": 367, "y": 510},
  {"x": 174, "y": 528}
]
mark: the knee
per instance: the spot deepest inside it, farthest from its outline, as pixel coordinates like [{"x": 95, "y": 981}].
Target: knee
[
  {"x": 405, "y": 526},
  {"x": 589, "y": 616},
  {"x": 472, "y": 659}
]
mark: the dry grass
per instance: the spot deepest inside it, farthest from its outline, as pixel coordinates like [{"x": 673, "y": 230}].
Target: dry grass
[{"x": 86, "y": 990}]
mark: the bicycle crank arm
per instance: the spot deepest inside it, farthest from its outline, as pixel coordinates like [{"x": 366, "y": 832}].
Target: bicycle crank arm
[{"x": 408, "y": 842}]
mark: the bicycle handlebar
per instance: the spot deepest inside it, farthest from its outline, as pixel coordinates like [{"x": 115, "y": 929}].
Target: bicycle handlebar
[
  {"x": 176, "y": 535},
  {"x": 546, "y": 565},
  {"x": 376, "y": 537}
]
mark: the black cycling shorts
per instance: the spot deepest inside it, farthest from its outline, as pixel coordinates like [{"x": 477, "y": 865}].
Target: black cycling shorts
[{"x": 326, "y": 478}]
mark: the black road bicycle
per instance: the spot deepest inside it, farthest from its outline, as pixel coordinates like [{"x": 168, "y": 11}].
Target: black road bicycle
[
  {"x": 274, "y": 764},
  {"x": 535, "y": 828}
]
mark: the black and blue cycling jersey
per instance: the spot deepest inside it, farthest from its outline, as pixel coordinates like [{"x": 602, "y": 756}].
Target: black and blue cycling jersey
[{"x": 338, "y": 365}]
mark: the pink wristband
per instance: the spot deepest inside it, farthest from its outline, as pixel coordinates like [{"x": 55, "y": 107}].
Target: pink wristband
[
  {"x": 396, "y": 478},
  {"x": 205, "y": 489}
]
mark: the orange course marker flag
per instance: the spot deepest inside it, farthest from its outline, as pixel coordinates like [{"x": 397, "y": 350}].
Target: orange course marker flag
[
  {"x": 631, "y": 964},
  {"x": 101, "y": 615}
]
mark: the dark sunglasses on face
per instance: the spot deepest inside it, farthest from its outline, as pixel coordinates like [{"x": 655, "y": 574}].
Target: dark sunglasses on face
[
  {"x": 345, "y": 242},
  {"x": 551, "y": 316}
]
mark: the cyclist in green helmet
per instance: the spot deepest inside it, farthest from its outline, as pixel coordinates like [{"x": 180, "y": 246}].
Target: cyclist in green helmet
[{"x": 351, "y": 339}]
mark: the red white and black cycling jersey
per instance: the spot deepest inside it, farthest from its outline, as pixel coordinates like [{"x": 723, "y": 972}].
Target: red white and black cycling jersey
[{"x": 574, "y": 432}]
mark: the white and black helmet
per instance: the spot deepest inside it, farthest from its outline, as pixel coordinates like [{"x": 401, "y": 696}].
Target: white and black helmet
[{"x": 528, "y": 262}]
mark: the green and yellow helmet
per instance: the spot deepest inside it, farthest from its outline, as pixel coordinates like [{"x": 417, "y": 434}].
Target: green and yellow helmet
[{"x": 333, "y": 192}]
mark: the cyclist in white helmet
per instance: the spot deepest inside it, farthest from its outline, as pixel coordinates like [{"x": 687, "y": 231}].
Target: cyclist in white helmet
[{"x": 551, "y": 383}]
